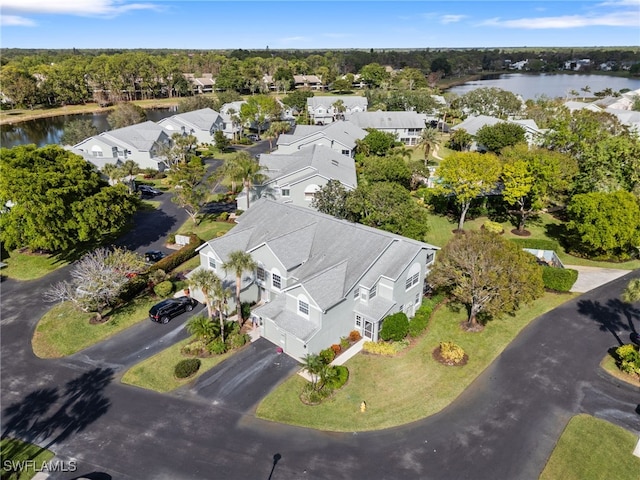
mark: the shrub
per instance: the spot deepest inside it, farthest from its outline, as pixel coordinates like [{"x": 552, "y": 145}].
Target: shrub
[
  {"x": 237, "y": 340},
  {"x": 327, "y": 355},
  {"x": 311, "y": 396},
  {"x": 493, "y": 227},
  {"x": 628, "y": 359},
  {"x": 385, "y": 348},
  {"x": 187, "y": 252},
  {"x": 132, "y": 288},
  {"x": 395, "y": 327},
  {"x": 223, "y": 217},
  {"x": 340, "y": 378},
  {"x": 451, "y": 352},
  {"x": 239, "y": 212},
  {"x": 180, "y": 285},
  {"x": 163, "y": 289},
  {"x": 197, "y": 347},
  {"x": 537, "y": 243},
  {"x": 419, "y": 322},
  {"x": 157, "y": 276},
  {"x": 344, "y": 343},
  {"x": 559, "y": 279},
  {"x": 354, "y": 336},
  {"x": 336, "y": 348},
  {"x": 245, "y": 310},
  {"x": 217, "y": 347},
  {"x": 186, "y": 368},
  {"x": 171, "y": 238}
]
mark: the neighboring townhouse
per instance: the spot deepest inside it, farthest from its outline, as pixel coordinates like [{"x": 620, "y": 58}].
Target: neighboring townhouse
[
  {"x": 407, "y": 126},
  {"x": 308, "y": 82},
  {"x": 230, "y": 113},
  {"x": 296, "y": 177},
  {"x": 339, "y": 136},
  {"x": 202, "y": 124},
  {"x": 204, "y": 84},
  {"x": 474, "y": 123},
  {"x": 574, "y": 105},
  {"x": 318, "y": 278},
  {"x": 141, "y": 143},
  {"x": 322, "y": 109}
]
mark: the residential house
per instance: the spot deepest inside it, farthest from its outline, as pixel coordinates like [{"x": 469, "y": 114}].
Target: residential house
[
  {"x": 322, "y": 109},
  {"x": 230, "y": 113},
  {"x": 406, "y": 126},
  {"x": 204, "y": 84},
  {"x": 202, "y": 124},
  {"x": 474, "y": 123},
  {"x": 296, "y": 177},
  {"x": 141, "y": 143},
  {"x": 308, "y": 82},
  {"x": 339, "y": 136},
  {"x": 318, "y": 278}
]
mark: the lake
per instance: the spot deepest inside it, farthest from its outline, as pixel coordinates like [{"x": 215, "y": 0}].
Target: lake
[
  {"x": 46, "y": 131},
  {"x": 531, "y": 86}
]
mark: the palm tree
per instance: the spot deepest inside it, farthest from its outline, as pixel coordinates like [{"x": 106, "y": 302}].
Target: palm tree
[
  {"x": 241, "y": 167},
  {"x": 213, "y": 291},
  {"x": 130, "y": 169},
  {"x": 428, "y": 139},
  {"x": 631, "y": 294},
  {"x": 112, "y": 171},
  {"x": 202, "y": 328},
  {"x": 239, "y": 262},
  {"x": 586, "y": 89}
]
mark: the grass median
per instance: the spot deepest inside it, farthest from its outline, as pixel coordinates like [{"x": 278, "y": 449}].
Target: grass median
[
  {"x": 157, "y": 372},
  {"x": 22, "y": 460},
  {"x": 593, "y": 449},
  {"x": 65, "y": 330},
  {"x": 407, "y": 387},
  {"x": 29, "y": 266}
]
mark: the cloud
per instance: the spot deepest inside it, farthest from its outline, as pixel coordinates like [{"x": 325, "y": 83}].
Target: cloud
[
  {"x": 619, "y": 3},
  {"x": 15, "y": 21},
  {"x": 446, "y": 19},
  {"x": 620, "y": 19},
  {"x": 294, "y": 39},
  {"x": 108, "y": 8}
]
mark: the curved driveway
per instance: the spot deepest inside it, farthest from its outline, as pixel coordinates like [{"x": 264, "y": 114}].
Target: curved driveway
[{"x": 504, "y": 426}]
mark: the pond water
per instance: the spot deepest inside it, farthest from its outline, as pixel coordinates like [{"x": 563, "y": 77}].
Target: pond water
[
  {"x": 46, "y": 131},
  {"x": 531, "y": 86}
]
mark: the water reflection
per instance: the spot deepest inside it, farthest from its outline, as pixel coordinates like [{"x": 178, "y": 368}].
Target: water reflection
[{"x": 45, "y": 131}]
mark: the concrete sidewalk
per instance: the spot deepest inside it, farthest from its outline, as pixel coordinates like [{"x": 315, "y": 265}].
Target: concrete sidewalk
[{"x": 340, "y": 359}]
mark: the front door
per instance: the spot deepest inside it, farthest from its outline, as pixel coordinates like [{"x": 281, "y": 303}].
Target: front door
[{"x": 368, "y": 329}]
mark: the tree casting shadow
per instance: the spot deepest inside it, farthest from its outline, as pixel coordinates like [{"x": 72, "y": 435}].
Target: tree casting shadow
[{"x": 615, "y": 315}]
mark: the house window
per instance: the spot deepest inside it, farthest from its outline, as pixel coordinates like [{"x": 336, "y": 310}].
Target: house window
[
  {"x": 358, "y": 321},
  {"x": 345, "y": 152},
  {"x": 364, "y": 295},
  {"x": 430, "y": 257},
  {"x": 303, "y": 307},
  {"x": 212, "y": 263},
  {"x": 276, "y": 281},
  {"x": 286, "y": 192},
  {"x": 356, "y": 293},
  {"x": 417, "y": 298},
  {"x": 373, "y": 291},
  {"x": 400, "y": 309},
  {"x": 413, "y": 276},
  {"x": 310, "y": 191},
  {"x": 260, "y": 274}
]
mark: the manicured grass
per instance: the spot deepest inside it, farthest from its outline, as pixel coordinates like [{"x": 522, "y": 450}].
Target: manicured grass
[
  {"x": 28, "y": 266},
  {"x": 593, "y": 449},
  {"x": 207, "y": 229},
  {"x": 442, "y": 231},
  {"x": 64, "y": 330},
  {"x": 609, "y": 365},
  {"x": 156, "y": 373},
  {"x": 382, "y": 382},
  {"x": 13, "y": 451}
]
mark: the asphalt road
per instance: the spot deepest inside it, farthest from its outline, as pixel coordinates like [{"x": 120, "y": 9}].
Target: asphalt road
[{"x": 504, "y": 426}]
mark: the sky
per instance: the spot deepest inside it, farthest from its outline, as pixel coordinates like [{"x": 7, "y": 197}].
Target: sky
[{"x": 329, "y": 24}]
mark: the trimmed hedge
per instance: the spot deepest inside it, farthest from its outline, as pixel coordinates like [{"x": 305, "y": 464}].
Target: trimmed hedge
[
  {"x": 172, "y": 261},
  {"x": 419, "y": 322},
  {"x": 536, "y": 243},
  {"x": 559, "y": 279},
  {"x": 163, "y": 289},
  {"x": 186, "y": 368},
  {"x": 342, "y": 375},
  {"x": 395, "y": 327}
]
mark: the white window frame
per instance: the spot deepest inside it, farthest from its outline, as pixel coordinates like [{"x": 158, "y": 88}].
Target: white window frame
[
  {"x": 211, "y": 263},
  {"x": 276, "y": 277},
  {"x": 285, "y": 192},
  {"x": 356, "y": 293},
  {"x": 260, "y": 270},
  {"x": 413, "y": 276},
  {"x": 303, "y": 307},
  {"x": 373, "y": 291},
  {"x": 358, "y": 321}
]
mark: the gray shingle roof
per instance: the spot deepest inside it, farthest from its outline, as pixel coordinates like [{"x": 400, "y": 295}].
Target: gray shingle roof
[
  {"x": 202, "y": 119},
  {"x": 286, "y": 320},
  {"x": 343, "y": 132},
  {"x": 388, "y": 120},
  {"x": 329, "y": 100},
  {"x": 339, "y": 255},
  {"x": 316, "y": 159},
  {"x": 375, "y": 309},
  {"x": 141, "y": 136},
  {"x": 474, "y": 123}
]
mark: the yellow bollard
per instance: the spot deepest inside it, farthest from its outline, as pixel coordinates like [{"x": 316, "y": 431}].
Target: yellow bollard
[{"x": 363, "y": 406}]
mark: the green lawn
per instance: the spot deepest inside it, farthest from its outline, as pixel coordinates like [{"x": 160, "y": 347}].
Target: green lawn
[
  {"x": 64, "y": 330},
  {"x": 12, "y": 451},
  {"x": 593, "y": 449},
  {"x": 382, "y": 381},
  {"x": 28, "y": 266},
  {"x": 442, "y": 231},
  {"x": 609, "y": 365},
  {"x": 156, "y": 373},
  {"x": 207, "y": 229}
]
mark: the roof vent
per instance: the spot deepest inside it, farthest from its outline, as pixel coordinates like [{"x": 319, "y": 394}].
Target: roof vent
[{"x": 334, "y": 163}]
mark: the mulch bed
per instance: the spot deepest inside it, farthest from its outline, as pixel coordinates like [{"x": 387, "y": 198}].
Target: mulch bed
[
  {"x": 437, "y": 356},
  {"x": 464, "y": 325},
  {"x": 523, "y": 233}
]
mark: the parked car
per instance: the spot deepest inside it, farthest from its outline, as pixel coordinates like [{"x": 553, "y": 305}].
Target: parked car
[
  {"x": 171, "y": 307},
  {"x": 153, "y": 256},
  {"x": 147, "y": 190},
  {"x": 253, "y": 137}
]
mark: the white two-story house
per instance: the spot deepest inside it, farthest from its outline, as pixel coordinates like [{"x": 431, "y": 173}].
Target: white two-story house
[
  {"x": 322, "y": 109},
  {"x": 338, "y": 136},
  {"x": 318, "y": 278},
  {"x": 202, "y": 124},
  {"x": 406, "y": 126}
]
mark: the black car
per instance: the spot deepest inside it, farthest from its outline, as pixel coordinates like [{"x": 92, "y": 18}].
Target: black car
[
  {"x": 171, "y": 307},
  {"x": 146, "y": 190},
  {"x": 153, "y": 256}
]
